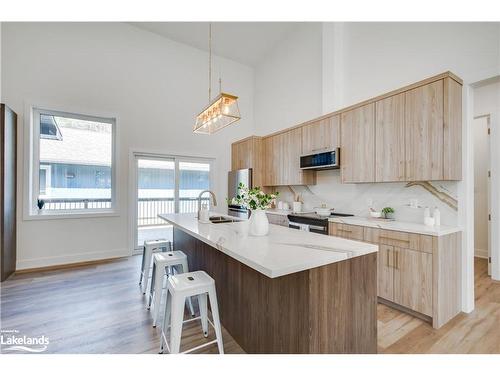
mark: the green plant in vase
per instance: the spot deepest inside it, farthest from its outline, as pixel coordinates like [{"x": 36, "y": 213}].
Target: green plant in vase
[{"x": 388, "y": 212}]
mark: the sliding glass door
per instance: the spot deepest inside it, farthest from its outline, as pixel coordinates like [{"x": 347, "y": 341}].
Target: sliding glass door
[{"x": 167, "y": 184}]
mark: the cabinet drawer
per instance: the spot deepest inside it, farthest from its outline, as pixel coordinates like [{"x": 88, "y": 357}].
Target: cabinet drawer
[
  {"x": 352, "y": 232},
  {"x": 413, "y": 241}
]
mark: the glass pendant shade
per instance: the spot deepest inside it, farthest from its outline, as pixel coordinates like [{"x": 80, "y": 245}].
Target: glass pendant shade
[{"x": 221, "y": 112}]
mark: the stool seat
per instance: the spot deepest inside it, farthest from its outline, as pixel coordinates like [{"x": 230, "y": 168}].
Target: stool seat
[
  {"x": 190, "y": 282},
  {"x": 170, "y": 258}
]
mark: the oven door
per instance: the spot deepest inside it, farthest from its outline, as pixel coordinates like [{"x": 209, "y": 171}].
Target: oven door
[{"x": 299, "y": 226}]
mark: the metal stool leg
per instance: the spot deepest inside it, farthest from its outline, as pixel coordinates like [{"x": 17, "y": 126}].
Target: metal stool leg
[
  {"x": 177, "y": 315},
  {"x": 215, "y": 315},
  {"x": 202, "y": 303}
]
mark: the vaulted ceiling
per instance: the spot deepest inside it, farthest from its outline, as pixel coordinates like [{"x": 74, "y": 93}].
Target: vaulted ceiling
[{"x": 245, "y": 42}]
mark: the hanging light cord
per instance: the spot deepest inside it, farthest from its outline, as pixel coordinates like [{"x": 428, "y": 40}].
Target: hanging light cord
[{"x": 209, "y": 62}]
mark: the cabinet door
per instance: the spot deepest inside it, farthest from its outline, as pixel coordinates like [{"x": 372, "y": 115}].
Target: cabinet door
[
  {"x": 322, "y": 135},
  {"x": 424, "y": 132},
  {"x": 272, "y": 160},
  {"x": 452, "y": 131},
  {"x": 390, "y": 139},
  {"x": 291, "y": 142},
  {"x": 385, "y": 262},
  {"x": 413, "y": 280},
  {"x": 357, "y": 154},
  {"x": 241, "y": 155}
]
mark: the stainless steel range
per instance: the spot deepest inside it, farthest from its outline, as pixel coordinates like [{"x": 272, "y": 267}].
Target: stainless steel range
[{"x": 312, "y": 222}]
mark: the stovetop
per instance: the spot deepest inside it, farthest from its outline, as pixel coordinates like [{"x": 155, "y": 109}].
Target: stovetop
[{"x": 315, "y": 217}]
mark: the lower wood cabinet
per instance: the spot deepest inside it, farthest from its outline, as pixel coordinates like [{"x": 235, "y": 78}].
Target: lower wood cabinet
[
  {"x": 413, "y": 280},
  {"x": 417, "y": 273},
  {"x": 385, "y": 262}
]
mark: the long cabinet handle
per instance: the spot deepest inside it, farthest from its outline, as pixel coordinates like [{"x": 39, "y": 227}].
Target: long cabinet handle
[
  {"x": 344, "y": 230},
  {"x": 397, "y": 259},
  {"x": 387, "y": 261},
  {"x": 394, "y": 239}
]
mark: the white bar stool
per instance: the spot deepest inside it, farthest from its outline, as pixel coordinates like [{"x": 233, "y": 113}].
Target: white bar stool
[
  {"x": 165, "y": 264},
  {"x": 147, "y": 252},
  {"x": 180, "y": 287}
]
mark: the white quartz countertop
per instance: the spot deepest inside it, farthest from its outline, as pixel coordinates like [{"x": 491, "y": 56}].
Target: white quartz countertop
[
  {"x": 284, "y": 251},
  {"x": 399, "y": 226}
]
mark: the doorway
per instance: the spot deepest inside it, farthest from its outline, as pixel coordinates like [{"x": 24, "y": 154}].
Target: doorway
[
  {"x": 482, "y": 188},
  {"x": 166, "y": 184}
]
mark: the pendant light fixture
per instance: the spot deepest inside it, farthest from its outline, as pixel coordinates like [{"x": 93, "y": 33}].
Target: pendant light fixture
[{"x": 222, "y": 110}]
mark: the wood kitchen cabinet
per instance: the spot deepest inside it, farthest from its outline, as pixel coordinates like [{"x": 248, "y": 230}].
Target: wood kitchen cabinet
[
  {"x": 424, "y": 132},
  {"x": 390, "y": 139},
  {"x": 282, "y": 165},
  {"x": 417, "y": 273},
  {"x": 322, "y": 135},
  {"x": 385, "y": 264},
  {"x": 248, "y": 153},
  {"x": 413, "y": 280},
  {"x": 357, "y": 129}
]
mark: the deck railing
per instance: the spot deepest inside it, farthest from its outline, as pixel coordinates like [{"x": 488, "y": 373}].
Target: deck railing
[{"x": 147, "y": 208}]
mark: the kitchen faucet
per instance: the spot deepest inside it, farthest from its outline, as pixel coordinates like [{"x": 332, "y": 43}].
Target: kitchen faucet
[{"x": 212, "y": 195}]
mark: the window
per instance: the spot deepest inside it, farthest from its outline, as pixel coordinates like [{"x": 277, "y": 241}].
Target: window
[{"x": 73, "y": 162}]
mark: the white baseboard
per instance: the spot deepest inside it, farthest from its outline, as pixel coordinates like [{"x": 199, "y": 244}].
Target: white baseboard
[
  {"x": 481, "y": 253},
  {"x": 23, "y": 264}
]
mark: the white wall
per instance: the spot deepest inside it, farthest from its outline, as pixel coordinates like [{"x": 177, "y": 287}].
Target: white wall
[
  {"x": 379, "y": 57},
  {"x": 288, "y": 81},
  {"x": 481, "y": 166},
  {"x": 153, "y": 85},
  {"x": 487, "y": 101}
]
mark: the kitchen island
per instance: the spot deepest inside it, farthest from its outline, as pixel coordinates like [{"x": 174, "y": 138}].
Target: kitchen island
[{"x": 288, "y": 292}]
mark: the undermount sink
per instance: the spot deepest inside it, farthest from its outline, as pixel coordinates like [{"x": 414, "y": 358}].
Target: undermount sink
[{"x": 221, "y": 219}]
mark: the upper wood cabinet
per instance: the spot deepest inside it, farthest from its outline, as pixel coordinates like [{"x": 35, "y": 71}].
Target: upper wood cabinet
[
  {"x": 410, "y": 134},
  {"x": 357, "y": 154},
  {"x": 390, "y": 139},
  {"x": 452, "y": 131},
  {"x": 424, "y": 132},
  {"x": 281, "y": 167},
  {"x": 321, "y": 135},
  {"x": 248, "y": 153}
]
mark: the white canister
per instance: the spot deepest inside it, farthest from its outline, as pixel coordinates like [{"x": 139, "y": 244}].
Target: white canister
[
  {"x": 297, "y": 207},
  {"x": 437, "y": 216},
  {"x": 280, "y": 205},
  {"x": 429, "y": 221},
  {"x": 286, "y": 206}
]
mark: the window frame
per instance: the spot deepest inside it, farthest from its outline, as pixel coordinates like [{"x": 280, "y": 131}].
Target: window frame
[{"x": 32, "y": 212}]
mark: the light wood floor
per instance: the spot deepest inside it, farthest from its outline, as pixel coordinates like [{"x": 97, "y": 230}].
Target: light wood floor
[{"x": 99, "y": 309}]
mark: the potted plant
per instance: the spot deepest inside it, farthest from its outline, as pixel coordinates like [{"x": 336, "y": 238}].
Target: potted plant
[
  {"x": 40, "y": 203},
  {"x": 257, "y": 202},
  {"x": 388, "y": 212}
]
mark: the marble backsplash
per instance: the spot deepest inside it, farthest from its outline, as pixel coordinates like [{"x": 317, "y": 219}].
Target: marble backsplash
[{"x": 356, "y": 198}]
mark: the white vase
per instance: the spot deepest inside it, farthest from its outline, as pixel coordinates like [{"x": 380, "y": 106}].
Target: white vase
[{"x": 259, "y": 225}]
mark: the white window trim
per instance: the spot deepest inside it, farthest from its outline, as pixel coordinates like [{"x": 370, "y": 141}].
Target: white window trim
[{"x": 31, "y": 174}]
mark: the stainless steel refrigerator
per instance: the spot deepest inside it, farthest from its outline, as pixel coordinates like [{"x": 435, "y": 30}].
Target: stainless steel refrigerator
[{"x": 234, "y": 179}]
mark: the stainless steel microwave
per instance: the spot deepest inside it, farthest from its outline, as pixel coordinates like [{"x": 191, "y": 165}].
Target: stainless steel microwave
[{"x": 322, "y": 160}]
